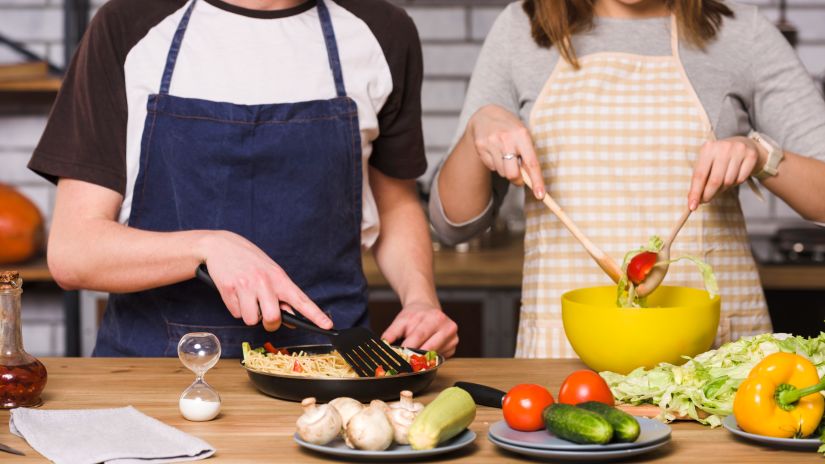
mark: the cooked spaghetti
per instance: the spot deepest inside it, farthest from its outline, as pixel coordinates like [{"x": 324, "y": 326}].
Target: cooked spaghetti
[{"x": 305, "y": 364}]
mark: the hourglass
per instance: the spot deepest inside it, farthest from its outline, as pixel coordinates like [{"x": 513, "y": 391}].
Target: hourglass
[{"x": 199, "y": 351}]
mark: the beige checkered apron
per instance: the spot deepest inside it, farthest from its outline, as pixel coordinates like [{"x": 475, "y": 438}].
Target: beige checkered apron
[{"x": 617, "y": 140}]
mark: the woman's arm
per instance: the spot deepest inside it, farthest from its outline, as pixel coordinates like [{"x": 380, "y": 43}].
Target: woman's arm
[
  {"x": 785, "y": 105},
  {"x": 89, "y": 249},
  {"x": 404, "y": 254}
]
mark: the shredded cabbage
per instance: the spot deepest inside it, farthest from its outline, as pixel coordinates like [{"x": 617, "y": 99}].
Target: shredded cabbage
[
  {"x": 626, "y": 292},
  {"x": 708, "y": 382}
]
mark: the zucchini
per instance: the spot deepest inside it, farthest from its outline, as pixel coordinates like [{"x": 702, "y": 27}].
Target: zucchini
[
  {"x": 445, "y": 417},
  {"x": 625, "y": 427},
  {"x": 577, "y": 425}
]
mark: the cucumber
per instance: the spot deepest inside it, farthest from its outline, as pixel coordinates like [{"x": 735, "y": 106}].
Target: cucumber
[
  {"x": 625, "y": 427},
  {"x": 577, "y": 425},
  {"x": 452, "y": 411}
]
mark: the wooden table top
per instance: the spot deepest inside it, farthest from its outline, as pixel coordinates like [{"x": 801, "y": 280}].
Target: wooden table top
[{"x": 253, "y": 427}]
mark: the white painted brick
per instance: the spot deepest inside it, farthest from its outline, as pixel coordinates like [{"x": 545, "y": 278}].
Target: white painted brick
[
  {"x": 7, "y": 55},
  {"x": 38, "y": 338},
  {"x": 21, "y": 132},
  {"x": 36, "y": 24},
  {"x": 810, "y": 22},
  {"x": 450, "y": 60},
  {"x": 41, "y": 194},
  {"x": 27, "y": 3},
  {"x": 443, "y": 95},
  {"x": 752, "y": 207},
  {"x": 481, "y": 20},
  {"x": 813, "y": 57},
  {"x": 439, "y": 131},
  {"x": 56, "y": 54},
  {"x": 439, "y": 23},
  {"x": 14, "y": 170}
]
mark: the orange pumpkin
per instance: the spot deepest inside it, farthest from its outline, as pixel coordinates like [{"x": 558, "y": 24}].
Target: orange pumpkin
[{"x": 21, "y": 227}]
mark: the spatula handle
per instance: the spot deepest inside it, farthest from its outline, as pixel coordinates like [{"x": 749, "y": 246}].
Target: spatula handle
[
  {"x": 603, "y": 260},
  {"x": 295, "y": 319}
]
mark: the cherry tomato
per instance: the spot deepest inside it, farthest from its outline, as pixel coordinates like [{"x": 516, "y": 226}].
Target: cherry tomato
[
  {"x": 418, "y": 362},
  {"x": 296, "y": 367},
  {"x": 582, "y": 386},
  {"x": 380, "y": 372},
  {"x": 640, "y": 265},
  {"x": 523, "y": 405}
]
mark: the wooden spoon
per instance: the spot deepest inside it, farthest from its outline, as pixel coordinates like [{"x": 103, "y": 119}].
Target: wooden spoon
[
  {"x": 603, "y": 260},
  {"x": 657, "y": 273}
]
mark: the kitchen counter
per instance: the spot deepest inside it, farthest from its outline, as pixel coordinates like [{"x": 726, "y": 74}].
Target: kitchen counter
[
  {"x": 502, "y": 266},
  {"x": 255, "y": 428}
]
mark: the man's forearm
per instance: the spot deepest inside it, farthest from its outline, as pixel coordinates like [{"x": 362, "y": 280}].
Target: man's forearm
[
  {"x": 404, "y": 250},
  {"x": 89, "y": 249}
]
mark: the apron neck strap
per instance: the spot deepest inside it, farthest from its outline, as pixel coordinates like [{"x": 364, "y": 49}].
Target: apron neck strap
[
  {"x": 174, "y": 49},
  {"x": 674, "y": 36},
  {"x": 329, "y": 41},
  {"x": 332, "y": 48}
]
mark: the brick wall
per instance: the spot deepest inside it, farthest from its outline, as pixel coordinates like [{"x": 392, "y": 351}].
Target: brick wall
[{"x": 452, "y": 32}]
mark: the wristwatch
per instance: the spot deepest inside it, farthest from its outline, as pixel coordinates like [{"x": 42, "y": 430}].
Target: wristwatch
[{"x": 775, "y": 154}]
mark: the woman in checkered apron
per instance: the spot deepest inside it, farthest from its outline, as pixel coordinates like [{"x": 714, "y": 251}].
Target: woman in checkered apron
[{"x": 626, "y": 112}]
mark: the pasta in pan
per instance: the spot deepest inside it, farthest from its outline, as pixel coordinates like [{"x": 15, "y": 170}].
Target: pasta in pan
[{"x": 332, "y": 365}]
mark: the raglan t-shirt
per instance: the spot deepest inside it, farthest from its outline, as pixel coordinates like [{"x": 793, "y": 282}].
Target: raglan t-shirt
[{"x": 235, "y": 55}]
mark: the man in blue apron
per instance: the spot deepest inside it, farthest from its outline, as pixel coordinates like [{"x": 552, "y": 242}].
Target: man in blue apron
[{"x": 251, "y": 140}]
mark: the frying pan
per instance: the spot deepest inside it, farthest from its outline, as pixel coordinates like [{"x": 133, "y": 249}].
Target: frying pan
[{"x": 364, "y": 389}]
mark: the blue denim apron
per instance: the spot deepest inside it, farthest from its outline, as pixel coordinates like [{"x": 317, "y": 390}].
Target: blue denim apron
[{"x": 285, "y": 176}]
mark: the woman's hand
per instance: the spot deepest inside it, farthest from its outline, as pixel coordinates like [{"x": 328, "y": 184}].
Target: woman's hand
[
  {"x": 248, "y": 279},
  {"x": 723, "y": 164},
  {"x": 500, "y": 139},
  {"x": 424, "y": 326}
]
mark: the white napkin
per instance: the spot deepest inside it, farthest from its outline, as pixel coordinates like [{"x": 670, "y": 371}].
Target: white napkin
[{"x": 118, "y": 436}]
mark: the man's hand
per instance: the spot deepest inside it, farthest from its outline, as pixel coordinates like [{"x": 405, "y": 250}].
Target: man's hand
[
  {"x": 248, "y": 278},
  {"x": 424, "y": 327}
]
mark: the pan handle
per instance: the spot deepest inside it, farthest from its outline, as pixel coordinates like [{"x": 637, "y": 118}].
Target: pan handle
[
  {"x": 482, "y": 394},
  {"x": 292, "y": 319}
]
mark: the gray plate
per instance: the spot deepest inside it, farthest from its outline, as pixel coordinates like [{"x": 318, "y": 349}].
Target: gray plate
[
  {"x": 395, "y": 452},
  {"x": 798, "y": 443},
  {"x": 651, "y": 432},
  {"x": 560, "y": 455}
]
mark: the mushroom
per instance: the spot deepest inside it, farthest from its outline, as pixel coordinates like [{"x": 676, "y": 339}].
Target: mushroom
[
  {"x": 319, "y": 424},
  {"x": 369, "y": 429},
  {"x": 380, "y": 404},
  {"x": 402, "y": 414},
  {"x": 347, "y": 407}
]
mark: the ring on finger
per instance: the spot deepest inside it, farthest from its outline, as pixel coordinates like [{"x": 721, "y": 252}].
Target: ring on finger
[{"x": 508, "y": 156}]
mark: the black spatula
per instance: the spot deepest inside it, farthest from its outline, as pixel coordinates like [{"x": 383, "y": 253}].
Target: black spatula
[{"x": 359, "y": 347}]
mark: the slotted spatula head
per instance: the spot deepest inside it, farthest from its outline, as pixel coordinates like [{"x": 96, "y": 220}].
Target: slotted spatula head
[{"x": 359, "y": 347}]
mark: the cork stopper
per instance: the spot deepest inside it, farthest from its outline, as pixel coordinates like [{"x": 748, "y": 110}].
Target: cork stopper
[{"x": 10, "y": 280}]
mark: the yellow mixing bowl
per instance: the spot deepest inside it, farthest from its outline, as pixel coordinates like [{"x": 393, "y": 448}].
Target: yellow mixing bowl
[{"x": 679, "y": 321}]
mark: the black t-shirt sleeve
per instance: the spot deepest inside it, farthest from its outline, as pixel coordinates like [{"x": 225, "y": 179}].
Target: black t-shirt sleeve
[
  {"x": 85, "y": 137},
  {"x": 399, "y": 149}
]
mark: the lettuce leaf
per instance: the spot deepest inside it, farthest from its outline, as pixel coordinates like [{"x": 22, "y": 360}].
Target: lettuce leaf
[
  {"x": 703, "y": 388},
  {"x": 626, "y": 292}
]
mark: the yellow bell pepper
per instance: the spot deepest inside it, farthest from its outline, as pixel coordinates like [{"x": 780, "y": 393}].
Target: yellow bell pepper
[{"x": 780, "y": 398}]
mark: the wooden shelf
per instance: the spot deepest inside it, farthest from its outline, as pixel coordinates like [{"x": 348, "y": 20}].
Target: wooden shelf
[
  {"x": 32, "y": 271},
  {"x": 43, "y": 84}
]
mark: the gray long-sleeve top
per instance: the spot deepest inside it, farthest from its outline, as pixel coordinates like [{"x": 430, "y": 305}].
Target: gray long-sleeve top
[{"x": 748, "y": 77}]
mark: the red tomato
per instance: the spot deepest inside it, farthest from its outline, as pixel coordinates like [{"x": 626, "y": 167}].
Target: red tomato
[
  {"x": 582, "y": 386},
  {"x": 380, "y": 372},
  {"x": 640, "y": 265},
  {"x": 296, "y": 367},
  {"x": 523, "y": 405},
  {"x": 418, "y": 362}
]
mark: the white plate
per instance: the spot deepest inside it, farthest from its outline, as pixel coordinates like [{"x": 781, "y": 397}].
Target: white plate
[
  {"x": 799, "y": 443},
  {"x": 560, "y": 455},
  {"x": 651, "y": 432},
  {"x": 394, "y": 452}
]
